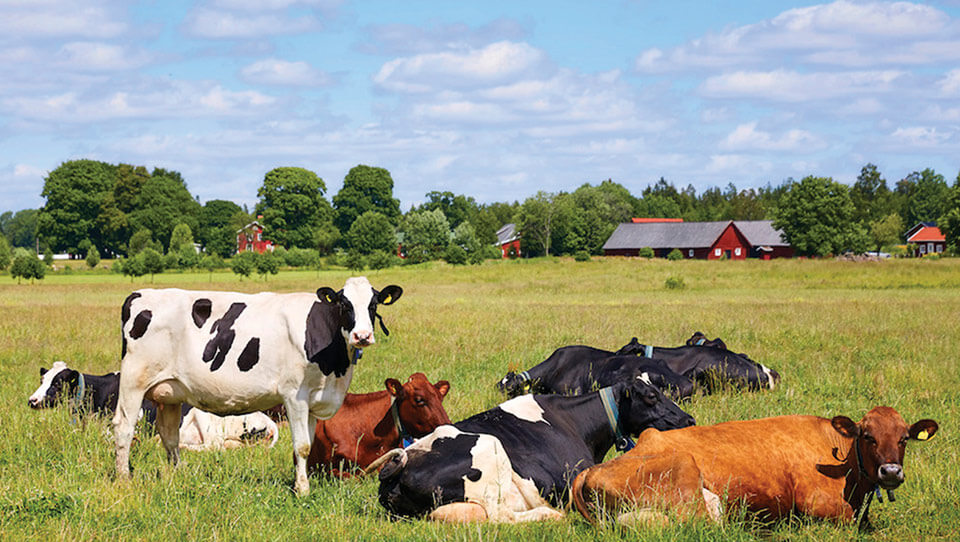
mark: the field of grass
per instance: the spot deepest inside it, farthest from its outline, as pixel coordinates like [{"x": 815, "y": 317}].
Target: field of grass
[{"x": 845, "y": 337}]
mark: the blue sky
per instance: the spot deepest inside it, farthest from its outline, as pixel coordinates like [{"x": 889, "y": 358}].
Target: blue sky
[{"x": 492, "y": 99}]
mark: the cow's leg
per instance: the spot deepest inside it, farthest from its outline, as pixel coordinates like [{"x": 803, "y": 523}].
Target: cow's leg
[
  {"x": 459, "y": 512},
  {"x": 824, "y": 504},
  {"x": 538, "y": 514},
  {"x": 168, "y": 427},
  {"x": 129, "y": 399},
  {"x": 300, "y": 418}
]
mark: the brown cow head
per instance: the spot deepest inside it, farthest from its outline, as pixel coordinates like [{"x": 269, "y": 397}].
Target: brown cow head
[
  {"x": 881, "y": 439},
  {"x": 419, "y": 403}
]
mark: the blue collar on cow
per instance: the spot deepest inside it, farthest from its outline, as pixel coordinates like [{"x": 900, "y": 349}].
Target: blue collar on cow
[
  {"x": 357, "y": 354},
  {"x": 405, "y": 438},
  {"x": 78, "y": 404},
  {"x": 81, "y": 387},
  {"x": 525, "y": 379},
  {"x": 700, "y": 341},
  {"x": 648, "y": 351},
  {"x": 623, "y": 442}
]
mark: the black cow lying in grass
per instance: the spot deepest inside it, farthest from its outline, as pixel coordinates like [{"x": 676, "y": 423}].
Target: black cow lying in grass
[
  {"x": 573, "y": 370},
  {"x": 709, "y": 366},
  {"x": 511, "y": 463}
]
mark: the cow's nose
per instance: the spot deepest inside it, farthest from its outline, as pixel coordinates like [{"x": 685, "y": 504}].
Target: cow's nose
[
  {"x": 363, "y": 338},
  {"x": 890, "y": 474}
]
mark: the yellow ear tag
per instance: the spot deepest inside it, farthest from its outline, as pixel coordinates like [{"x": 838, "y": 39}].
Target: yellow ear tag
[
  {"x": 923, "y": 435},
  {"x": 526, "y": 386}
]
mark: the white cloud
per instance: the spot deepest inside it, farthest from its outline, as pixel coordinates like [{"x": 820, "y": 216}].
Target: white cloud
[
  {"x": 950, "y": 84},
  {"x": 217, "y": 24},
  {"x": 793, "y": 86},
  {"x": 841, "y": 33},
  {"x": 274, "y": 71},
  {"x": 62, "y": 18},
  {"x": 266, "y": 5},
  {"x": 921, "y": 137},
  {"x": 494, "y": 64},
  {"x": 96, "y": 56},
  {"x": 746, "y": 137}
]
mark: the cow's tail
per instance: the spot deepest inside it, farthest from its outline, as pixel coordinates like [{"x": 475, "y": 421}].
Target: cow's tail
[
  {"x": 576, "y": 495},
  {"x": 389, "y": 456},
  {"x": 273, "y": 428}
]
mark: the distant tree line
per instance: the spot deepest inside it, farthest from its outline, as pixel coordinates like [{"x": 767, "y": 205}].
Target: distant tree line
[{"x": 126, "y": 211}]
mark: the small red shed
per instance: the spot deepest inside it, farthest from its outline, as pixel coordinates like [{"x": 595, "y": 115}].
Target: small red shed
[
  {"x": 926, "y": 238},
  {"x": 250, "y": 239},
  {"x": 508, "y": 240}
]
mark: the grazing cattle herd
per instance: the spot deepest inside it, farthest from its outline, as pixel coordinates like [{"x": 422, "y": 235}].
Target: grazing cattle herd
[{"x": 202, "y": 367}]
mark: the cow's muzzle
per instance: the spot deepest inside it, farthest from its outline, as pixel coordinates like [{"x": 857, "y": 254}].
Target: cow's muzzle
[
  {"x": 361, "y": 338},
  {"x": 890, "y": 475}
]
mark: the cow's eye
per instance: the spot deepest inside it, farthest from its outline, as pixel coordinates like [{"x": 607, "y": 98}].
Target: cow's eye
[
  {"x": 903, "y": 441},
  {"x": 419, "y": 401},
  {"x": 870, "y": 439}
]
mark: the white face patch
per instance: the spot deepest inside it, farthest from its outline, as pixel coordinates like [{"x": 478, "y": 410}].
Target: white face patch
[
  {"x": 48, "y": 377},
  {"x": 646, "y": 378},
  {"x": 525, "y": 408},
  {"x": 359, "y": 292},
  {"x": 766, "y": 370}
]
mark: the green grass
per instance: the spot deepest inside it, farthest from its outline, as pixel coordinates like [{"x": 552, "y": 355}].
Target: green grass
[{"x": 845, "y": 336}]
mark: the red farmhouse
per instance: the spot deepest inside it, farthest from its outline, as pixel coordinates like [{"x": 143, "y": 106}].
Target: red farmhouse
[
  {"x": 926, "y": 238},
  {"x": 250, "y": 239},
  {"x": 507, "y": 238},
  {"x": 733, "y": 240}
]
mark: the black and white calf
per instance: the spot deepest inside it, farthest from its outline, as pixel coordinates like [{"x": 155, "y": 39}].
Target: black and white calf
[
  {"x": 572, "y": 370},
  {"x": 709, "y": 366},
  {"x": 231, "y": 353},
  {"x": 516, "y": 461}
]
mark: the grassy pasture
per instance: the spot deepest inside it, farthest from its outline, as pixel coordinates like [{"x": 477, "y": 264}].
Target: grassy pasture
[{"x": 844, "y": 336}]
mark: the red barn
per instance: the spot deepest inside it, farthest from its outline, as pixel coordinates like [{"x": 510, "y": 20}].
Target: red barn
[
  {"x": 507, "y": 239},
  {"x": 250, "y": 239},
  {"x": 926, "y": 238},
  {"x": 733, "y": 240}
]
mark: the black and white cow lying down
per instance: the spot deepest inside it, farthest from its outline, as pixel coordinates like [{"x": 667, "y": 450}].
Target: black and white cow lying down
[
  {"x": 708, "y": 366},
  {"x": 516, "y": 461},
  {"x": 97, "y": 394},
  {"x": 572, "y": 370},
  {"x": 232, "y": 353}
]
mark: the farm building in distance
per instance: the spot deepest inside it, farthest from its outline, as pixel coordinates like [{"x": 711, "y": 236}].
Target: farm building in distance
[
  {"x": 508, "y": 239},
  {"x": 250, "y": 239},
  {"x": 731, "y": 239},
  {"x": 926, "y": 238}
]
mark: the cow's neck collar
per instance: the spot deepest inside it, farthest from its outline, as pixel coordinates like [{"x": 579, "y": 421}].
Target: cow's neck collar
[
  {"x": 405, "y": 438},
  {"x": 622, "y": 442},
  {"x": 700, "y": 341},
  {"x": 648, "y": 351},
  {"x": 357, "y": 354},
  {"x": 81, "y": 387},
  {"x": 872, "y": 488}
]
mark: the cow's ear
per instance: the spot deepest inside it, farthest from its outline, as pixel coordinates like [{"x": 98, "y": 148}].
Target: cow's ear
[
  {"x": 923, "y": 430},
  {"x": 328, "y": 295},
  {"x": 442, "y": 388},
  {"x": 42, "y": 371},
  {"x": 389, "y": 295},
  {"x": 394, "y": 387},
  {"x": 845, "y": 426}
]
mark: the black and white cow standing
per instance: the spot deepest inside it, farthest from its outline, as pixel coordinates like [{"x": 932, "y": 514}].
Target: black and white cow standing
[
  {"x": 511, "y": 463},
  {"x": 709, "y": 366},
  {"x": 576, "y": 369},
  {"x": 231, "y": 353}
]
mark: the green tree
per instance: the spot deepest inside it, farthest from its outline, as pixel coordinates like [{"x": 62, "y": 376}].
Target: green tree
[
  {"x": 293, "y": 206},
  {"x": 210, "y": 263},
  {"x": 886, "y": 230},
  {"x": 371, "y": 232},
  {"x": 20, "y": 228},
  {"x": 244, "y": 264},
  {"x": 535, "y": 222},
  {"x": 219, "y": 221},
  {"x": 949, "y": 222},
  {"x": 381, "y": 260},
  {"x": 6, "y": 253},
  {"x": 27, "y": 266},
  {"x": 658, "y": 206},
  {"x": 182, "y": 235},
  {"x": 365, "y": 188},
  {"x": 426, "y": 235},
  {"x": 152, "y": 261},
  {"x": 465, "y": 237},
  {"x": 457, "y": 208},
  {"x": 74, "y": 192},
  {"x": 267, "y": 264},
  {"x": 817, "y": 218},
  {"x": 93, "y": 257},
  {"x": 927, "y": 201},
  {"x": 675, "y": 255},
  {"x": 872, "y": 199},
  {"x": 141, "y": 240},
  {"x": 164, "y": 202},
  {"x": 133, "y": 267}
]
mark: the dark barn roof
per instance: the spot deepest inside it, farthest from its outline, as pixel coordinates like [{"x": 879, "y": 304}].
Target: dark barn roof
[
  {"x": 663, "y": 235},
  {"x": 507, "y": 234}
]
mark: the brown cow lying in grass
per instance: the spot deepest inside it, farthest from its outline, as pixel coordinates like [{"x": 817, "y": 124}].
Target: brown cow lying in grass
[
  {"x": 366, "y": 426},
  {"x": 819, "y": 467}
]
